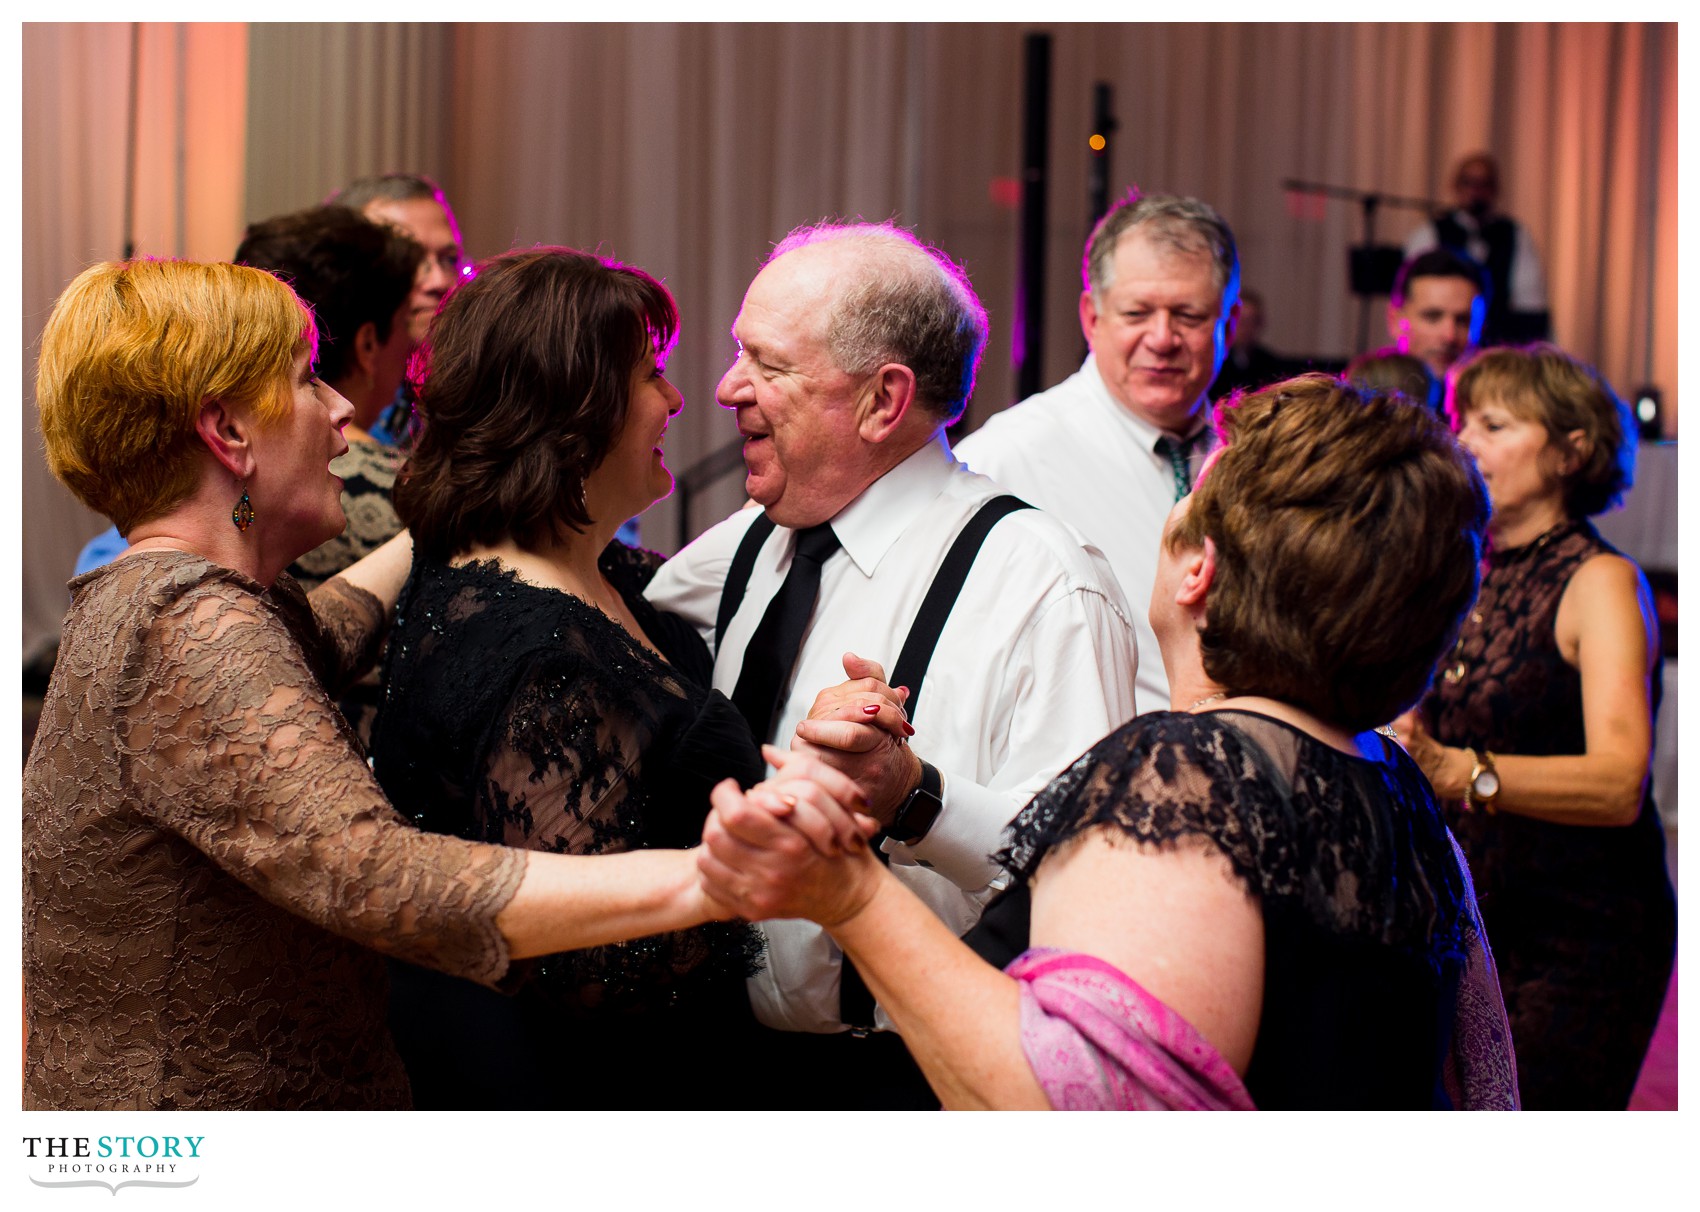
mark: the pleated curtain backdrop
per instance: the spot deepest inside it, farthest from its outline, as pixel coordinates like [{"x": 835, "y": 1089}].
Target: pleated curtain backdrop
[{"x": 690, "y": 149}]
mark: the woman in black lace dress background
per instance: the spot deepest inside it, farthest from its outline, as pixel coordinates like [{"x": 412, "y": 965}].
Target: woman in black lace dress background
[
  {"x": 1542, "y": 727},
  {"x": 1251, "y": 899},
  {"x": 535, "y": 698}
]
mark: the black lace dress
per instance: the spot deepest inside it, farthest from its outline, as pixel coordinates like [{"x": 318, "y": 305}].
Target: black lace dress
[
  {"x": 1364, "y": 905},
  {"x": 1583, "y": 918},
  {"x": 522, "y": 715}
]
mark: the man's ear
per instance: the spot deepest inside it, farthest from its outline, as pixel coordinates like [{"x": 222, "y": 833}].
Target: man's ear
[
  {"x": 1395, "y": 320},
  {"x": 1088, "y": 316},
  {"x": 1231, "y": 329},
  {"x": 885, "y": 401},
  {"x": 1200, "y": 574},
  {"x": 366, "y": 347},
  {"x": 228, "y": 433}
]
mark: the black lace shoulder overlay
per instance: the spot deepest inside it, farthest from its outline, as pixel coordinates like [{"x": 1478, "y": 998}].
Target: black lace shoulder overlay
[
  {"x": 1358, "y": 845},
  {"x": 522, "y": 715}
]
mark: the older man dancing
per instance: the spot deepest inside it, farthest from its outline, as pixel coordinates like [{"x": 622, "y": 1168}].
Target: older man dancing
[{"x": 876, "y": 549}]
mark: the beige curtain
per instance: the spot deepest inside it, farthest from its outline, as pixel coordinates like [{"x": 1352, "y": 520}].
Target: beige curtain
[
  {"x": 690, "y": 149},
  {"x": 190, "y": 127},
  {"x": 329, "y": 103}
]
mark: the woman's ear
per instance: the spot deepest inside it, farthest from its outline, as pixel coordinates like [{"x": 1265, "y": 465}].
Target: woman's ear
[
  {"x": 1199, "y": 575},
  {"x": 1578, "y": 450},
  {"x": 228, "y": 434}
]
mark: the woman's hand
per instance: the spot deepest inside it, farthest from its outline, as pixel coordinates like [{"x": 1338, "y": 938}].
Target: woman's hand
[
  {"x": 762, "y": 855},
  {"x": 823, "y": 804},
  {"x": 1447, "y": 769},
  {"x": 860, "y": 727},
  {"x": 860, "y": 713}
]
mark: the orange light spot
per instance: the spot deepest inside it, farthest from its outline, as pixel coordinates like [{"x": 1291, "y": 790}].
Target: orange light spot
[{"x": 1096, "y": 142}]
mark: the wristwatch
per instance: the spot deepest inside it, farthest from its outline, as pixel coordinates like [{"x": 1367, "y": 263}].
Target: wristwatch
[
  {"x": 920, "y": 810},
  {"x": 1483, "y": 786}
]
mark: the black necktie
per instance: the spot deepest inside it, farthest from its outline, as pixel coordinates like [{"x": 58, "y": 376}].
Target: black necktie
[
  {"x": 1179, "y": 452},
  {"x": 772, "y": 651}
]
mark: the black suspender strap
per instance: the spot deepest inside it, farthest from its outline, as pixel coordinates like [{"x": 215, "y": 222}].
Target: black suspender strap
[
  {"x": 917, "y": 653},
  {"x": 738, "y": 576},
  {"x": 855, "y": 1002}
]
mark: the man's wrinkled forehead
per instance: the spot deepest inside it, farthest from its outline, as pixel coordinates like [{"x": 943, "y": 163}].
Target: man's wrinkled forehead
[{"x": 789, "y": 302}]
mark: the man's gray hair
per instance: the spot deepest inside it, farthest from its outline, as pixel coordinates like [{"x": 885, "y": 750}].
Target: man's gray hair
[
  {"x": 1183, "y": 224},
  {"x": 905, "y": 302},
  {"x": 390, "y": 187}
]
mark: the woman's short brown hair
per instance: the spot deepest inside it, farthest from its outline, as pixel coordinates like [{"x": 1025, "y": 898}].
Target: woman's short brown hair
[
  {"x": 523, "y": 386},
  {"x": 1348, "y": 531},
  {"x": 130, "y": 353},
  {"x": 1543, "y": 383}
]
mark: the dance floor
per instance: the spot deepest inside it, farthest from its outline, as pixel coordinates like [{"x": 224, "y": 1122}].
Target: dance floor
[{"x": 1655, "y": 1091}]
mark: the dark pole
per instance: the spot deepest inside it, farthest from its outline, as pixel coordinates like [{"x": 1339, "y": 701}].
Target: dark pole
[
  {"x": 1369, "y": 203},
  {"x": 1098, "y": 166},
  {"x": 1035, "y": 160},
  {"x": 130, "y": 141}
]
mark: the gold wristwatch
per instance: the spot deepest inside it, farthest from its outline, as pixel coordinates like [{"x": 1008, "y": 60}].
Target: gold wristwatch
[{"x": 1483, "y": 787}]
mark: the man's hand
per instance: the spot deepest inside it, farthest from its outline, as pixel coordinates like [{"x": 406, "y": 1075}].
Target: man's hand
[{"x": 859, "y": 727}]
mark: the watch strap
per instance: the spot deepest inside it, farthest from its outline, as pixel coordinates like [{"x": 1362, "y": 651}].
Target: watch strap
[{"x": 920, "y": 810}]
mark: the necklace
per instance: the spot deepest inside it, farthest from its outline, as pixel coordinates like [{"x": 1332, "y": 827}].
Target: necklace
[{"x": 1209, "y": 698}]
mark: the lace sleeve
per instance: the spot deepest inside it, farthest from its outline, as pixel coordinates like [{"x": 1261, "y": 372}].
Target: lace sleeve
[
  {"x": 565, "y": 773},
  {"x": 1358, "y": 844},
  {"x": 1156, "y": 779},
  {"x": 237, "y": 748},
  {"x": 346, "y": 631},
  {"x": 625, "y": 565}
]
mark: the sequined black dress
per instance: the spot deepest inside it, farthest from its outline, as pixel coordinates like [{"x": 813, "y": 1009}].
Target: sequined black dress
[
  {"x": 1583, "y": 918},
  {"x": 523, "y": 715}
]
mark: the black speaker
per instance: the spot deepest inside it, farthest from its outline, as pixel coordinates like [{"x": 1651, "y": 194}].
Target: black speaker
[{"x": 1374, "y": 266}]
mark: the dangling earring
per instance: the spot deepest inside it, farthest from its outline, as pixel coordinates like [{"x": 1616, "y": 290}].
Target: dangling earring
[{"x": 242, "y": 516}]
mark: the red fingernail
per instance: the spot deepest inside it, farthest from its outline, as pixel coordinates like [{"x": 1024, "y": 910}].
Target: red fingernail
[
  {"x": 907, "y": 729},
  {"x": 904, "y": 691},
  {"x": 871, "y": 709}
]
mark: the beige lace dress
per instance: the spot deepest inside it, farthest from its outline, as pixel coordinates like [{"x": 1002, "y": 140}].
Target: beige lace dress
[{"x": 209, "y": 864}]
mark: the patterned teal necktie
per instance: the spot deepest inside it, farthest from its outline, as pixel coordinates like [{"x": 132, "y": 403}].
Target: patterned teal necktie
[{"x": 1180, "y": 459}]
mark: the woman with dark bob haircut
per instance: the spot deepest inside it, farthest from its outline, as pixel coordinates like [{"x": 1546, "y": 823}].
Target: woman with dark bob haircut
[
  {"x": 1250, "y": 900},
  {"x": 209, "y": 867},
  {"x": 1539, "y": 731},
  {"x": 535, "y": 698}
]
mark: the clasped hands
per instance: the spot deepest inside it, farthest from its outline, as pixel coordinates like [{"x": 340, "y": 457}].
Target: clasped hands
[{"x": 796, "y": 845}]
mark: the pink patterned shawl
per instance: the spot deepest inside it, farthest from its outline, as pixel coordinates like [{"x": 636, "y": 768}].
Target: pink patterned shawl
[{"x": 1097, "y": 1041}]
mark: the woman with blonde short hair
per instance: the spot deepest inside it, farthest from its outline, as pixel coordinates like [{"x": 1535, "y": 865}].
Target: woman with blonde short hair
[{"x": 207, "y": 859}]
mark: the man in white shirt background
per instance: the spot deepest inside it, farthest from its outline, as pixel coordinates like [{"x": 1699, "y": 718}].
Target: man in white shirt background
[
  {"x": 857, "y": 345},
  {"x": 1517, "y": 308},
  {"x": 1111, "y": 448}
]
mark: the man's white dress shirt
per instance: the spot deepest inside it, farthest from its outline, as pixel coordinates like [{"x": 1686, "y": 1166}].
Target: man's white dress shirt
[
  {"x": 1035, "y": 664},
  {"x": 1077, "y": 453}
]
